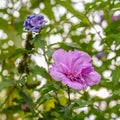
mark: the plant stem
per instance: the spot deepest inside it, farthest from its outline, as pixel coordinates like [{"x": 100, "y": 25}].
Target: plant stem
[
  {"x": 94, "y": 28},
  {"x": 56, "y": 95},
  {"x": 68, "y": 95},
  {"x": 7, "y": 98}
]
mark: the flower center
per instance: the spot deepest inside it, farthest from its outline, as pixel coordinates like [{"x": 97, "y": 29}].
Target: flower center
[
  {"x": 76, "y": 78},
  {"x": 72, "y": 77}
]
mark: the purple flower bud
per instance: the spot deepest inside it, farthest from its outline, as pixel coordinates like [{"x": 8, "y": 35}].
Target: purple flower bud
[
  {"x": 24, "y": 106},
  {"x": 34, "y": 23},
  {"x": 100, "y": 55}
]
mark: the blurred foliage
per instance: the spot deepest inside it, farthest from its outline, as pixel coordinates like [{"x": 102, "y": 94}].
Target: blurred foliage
[{"x": 27, "y": 92}]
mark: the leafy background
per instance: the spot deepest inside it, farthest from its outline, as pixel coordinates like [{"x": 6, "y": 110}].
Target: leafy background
[{"x": 72, "y": 24}]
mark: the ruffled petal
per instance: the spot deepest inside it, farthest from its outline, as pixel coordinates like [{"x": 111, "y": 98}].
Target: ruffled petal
[
  {"x": 75, "y": 85},
  {"x": 58, "y": 56},
  {"x": 92, "y": 78},
  {"x": 80, "y": 60},
  {"x": 56, "y": 74}
]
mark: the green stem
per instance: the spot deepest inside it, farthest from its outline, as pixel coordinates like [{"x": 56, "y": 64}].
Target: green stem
[
  {"x": 50, "y": 77},
  {"x": 7, "y": 98},
  {"x": 46, "y": 60},
  {"x": 68, "y": 95},
  {"x": 94, "y": 28}
]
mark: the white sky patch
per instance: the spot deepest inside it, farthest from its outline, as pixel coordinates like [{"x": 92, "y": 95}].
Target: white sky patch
[
  {"x": 107, "y": 74},
  {"x": 16, "y": 14},
  {"x": 24, "y": 1},
  {"x": 91, "y": 117},
  {"x": 85, "y": 109},
  {"x": 111, "y": 55},
  {"x": 2, "y": 35},
  {"x": 40, "y": 60},
  {"x": 61, "y": 10},
  {"x": 3, "y": 4},
  {"x": 118, "y": 60},
  {"x": 96, "y": 62},
  {"x": 97, "y": 46},
  {"x": 42, "y": 6},
  {"x": 112, "y": 103},
  {"x": 74, "y": 20},
  {"x": 17, "y": 5},
  {"x": 88, "y": 1},
  {"x": 5, "y": 45},
  {"x": 10, "y": 43},
  {"x": 102, "y": 93},
  {"x": 5, "y": 72},
  {"x": 55, "y": 38},
  {"x": 78, "y": 6}
]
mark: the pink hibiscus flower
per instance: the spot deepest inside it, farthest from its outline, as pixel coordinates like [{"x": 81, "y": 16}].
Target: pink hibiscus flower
[{"x": 74, "y": 69}]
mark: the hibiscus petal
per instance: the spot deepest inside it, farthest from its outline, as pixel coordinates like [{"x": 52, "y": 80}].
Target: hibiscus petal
[
  {"x": 58, "y": 55},
  {"x": 61, "y": 56},
  {"x": 56, "y": 75},
  {"x": 75, "y": 85},
  {"x": 92, "y": 78},
  {"x": 83, "y": 57},
  {"x": 80, "y": 59}
]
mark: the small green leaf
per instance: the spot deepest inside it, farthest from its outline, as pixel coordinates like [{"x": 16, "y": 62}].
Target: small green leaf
[
  {"x": 42, "y": 99},
  {"x": 39, "y": 70},
  {"x": 46, "y": 88},
  {"x": 82, "y": 103},
  {"x": 7, "y": 83},
  {"x": 22, "y": 80},
  {"x": 67, "y": 111},
  {"x": 12, "y": 109},
  {"x": 17, "y": 53},
  {"x": 39, "y": 41},
  {"x": 116, "y": 76},
  {"x": 28, "y": 100},
  {"x": 68, "y": 46},
  {"x": 117, "y": 92}
]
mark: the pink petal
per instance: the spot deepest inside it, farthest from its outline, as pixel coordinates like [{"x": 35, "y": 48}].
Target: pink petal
[
  {"x": 92, "y": 78},
  {"x": 63, "y": 58},
  {"x": 55, "y": 74},
  {"x": 58, "y": 55},
  {"x": 80, "y": 60},
  {"x": 75, "y": 85}
]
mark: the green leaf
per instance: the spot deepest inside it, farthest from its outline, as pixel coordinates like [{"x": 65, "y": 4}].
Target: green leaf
[
  {"x": 67, "y": 111},
  {"x": 116, "y": 92},
  {"x": 22, "y": 81},
  {"x": 42, "y": 99},
  {"x": 46, "y": 88},
  {"x": 39, "y": 41},
  {"x": 82, "y": 103},
  {"x": 28, "y": 100},
  {"x": 49, "y": 52},
  {"x": 7, "y": 83},
  {"x": 18, "y": 52},
  {"x": 116, "y": 76},
  {"x": 68, "y": 46},
  {"x": 12, "y": 109},
  {"x": 39, "y": 70}
]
